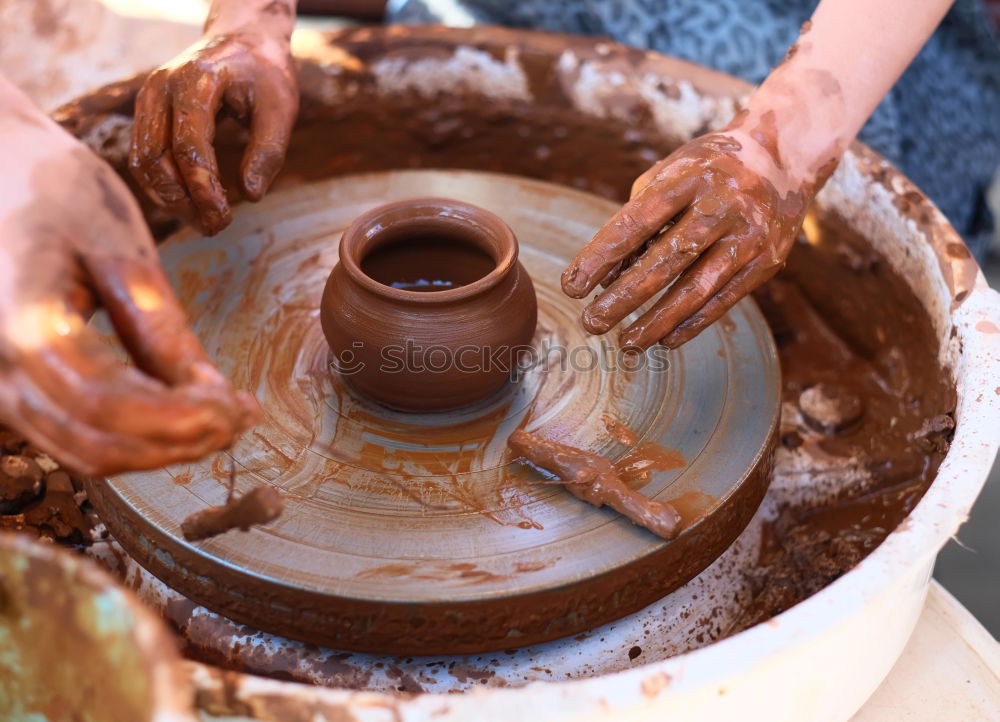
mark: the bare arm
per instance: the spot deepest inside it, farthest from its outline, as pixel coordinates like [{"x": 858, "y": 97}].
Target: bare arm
[
  {"x": 241, "y": 66},
  {"x": 267, "y": 17},
  {"x": 739, "y": 195},
  {"x": 843, "y": 64}
]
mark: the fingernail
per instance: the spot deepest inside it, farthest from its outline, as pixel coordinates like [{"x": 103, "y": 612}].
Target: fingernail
[
  {"x": 253, "y": 184},
  {"x": 594, "y": 322},
  {"x": 569, "y": 282}
]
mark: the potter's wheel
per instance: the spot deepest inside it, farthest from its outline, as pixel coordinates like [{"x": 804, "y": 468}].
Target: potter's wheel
[{"x": 416, "y": 533}]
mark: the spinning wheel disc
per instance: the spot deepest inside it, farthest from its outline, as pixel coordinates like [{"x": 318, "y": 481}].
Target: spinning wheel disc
[{"x": 416, "y": 533}]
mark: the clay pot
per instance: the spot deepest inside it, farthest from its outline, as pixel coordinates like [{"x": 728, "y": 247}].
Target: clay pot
[{"x": 428, "y": 304}]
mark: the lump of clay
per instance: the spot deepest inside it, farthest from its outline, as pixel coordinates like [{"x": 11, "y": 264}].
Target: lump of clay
[
  {"x": 20, "y": 482},
  {"x": 829, "y": 408},
  {"x": 594, "y": 479},
  {"x": 258, "y": 506}
]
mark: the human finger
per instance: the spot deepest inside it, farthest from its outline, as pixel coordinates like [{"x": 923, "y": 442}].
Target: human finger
[
  {"x": 754, "y": 275},
  {"x": 197, "y": 98},
  {"x": 154, "y": 330},
  {"x": 656, "y": 269},
  {"x": 274, "y": 110},
  {"x": 51, "y": 425},
  {"x": 703, "y": 279},
  {"x": 151, "y": 162},
  {"x": 70, "y": 364},
  {"x": 638, "y": 220}
]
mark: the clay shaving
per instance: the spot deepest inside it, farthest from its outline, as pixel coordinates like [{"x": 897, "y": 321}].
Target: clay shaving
[
  {"x": 258, "y": 506},
  {"x": 594, "y": 479}
]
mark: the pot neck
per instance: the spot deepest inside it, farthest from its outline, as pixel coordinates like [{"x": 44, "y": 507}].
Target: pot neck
[{"x": 452, "y": 221}]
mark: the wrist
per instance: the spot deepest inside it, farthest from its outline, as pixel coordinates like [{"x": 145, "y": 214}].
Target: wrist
[
  {"x": 264, "y": 19},
  {"x": 16, "y": 108},
  {"x": 798, "y": 121}
]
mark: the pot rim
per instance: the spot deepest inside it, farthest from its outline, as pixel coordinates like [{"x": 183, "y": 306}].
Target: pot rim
[{"x": 368, "y": 225}]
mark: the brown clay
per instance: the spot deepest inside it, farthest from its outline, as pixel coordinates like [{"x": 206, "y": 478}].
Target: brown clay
[
  {"x": 258, "y": 506},
  {"x": 413, "y": 347},
  {"x": 595, "y": 480}
]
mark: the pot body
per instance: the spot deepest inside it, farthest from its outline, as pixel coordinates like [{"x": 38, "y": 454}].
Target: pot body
[{"x": 428, "y": 351}]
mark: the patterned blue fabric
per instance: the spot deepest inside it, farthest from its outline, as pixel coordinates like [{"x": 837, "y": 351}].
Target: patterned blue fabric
[{"x": 940, "y": 123}]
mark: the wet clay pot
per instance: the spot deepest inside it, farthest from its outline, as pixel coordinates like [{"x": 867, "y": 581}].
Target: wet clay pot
[{"x": 428, "y": 305}]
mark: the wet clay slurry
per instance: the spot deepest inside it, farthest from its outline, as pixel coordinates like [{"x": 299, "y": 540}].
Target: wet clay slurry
[
  {"x": 835, "y": 496},
  {"x": 426, "y": 264},
  {"x": 413, "y": 345}
]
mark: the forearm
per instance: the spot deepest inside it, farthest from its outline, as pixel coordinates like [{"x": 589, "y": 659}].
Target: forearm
[
  {"x": 16, "y": 108},
  {"x": 846, "y": 59},
  {"x": 268, "y": 17},
  {"x": 27, "y": 135}
]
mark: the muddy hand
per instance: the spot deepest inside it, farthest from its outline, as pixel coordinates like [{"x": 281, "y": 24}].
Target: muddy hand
[
  {"x": 74, "y": 240},
  {"x": 702, "y": 224},
  {"x": 718, "y": 217},
  {"x": 246, "y": 74}
]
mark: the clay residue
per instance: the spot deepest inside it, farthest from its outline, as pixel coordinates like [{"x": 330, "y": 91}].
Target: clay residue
[
  {"x": 38, "y": 497},
  {"x": 692, "y": 506},
  {"x": 619, "y": 431},
  {"x": 595, "y": 480},
  {"x": 464, "y": 573},
  {"x": 260, "y": 505},
  {"x": 654, "y": 684},
  {"x": 885, "y": 409},
  {"x": 636, "y": 467}
]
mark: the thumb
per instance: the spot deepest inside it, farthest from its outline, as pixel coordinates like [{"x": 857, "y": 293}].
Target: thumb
[{"x": 153, "y": 328}]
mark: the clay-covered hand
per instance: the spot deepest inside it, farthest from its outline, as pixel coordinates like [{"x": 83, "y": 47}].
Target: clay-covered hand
[
  {"x": 715, "y": 219},
  {"x": 248, "y": 75},
  {"x": 73, "y": 240},
  {"x": 718, "y": 217}
]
